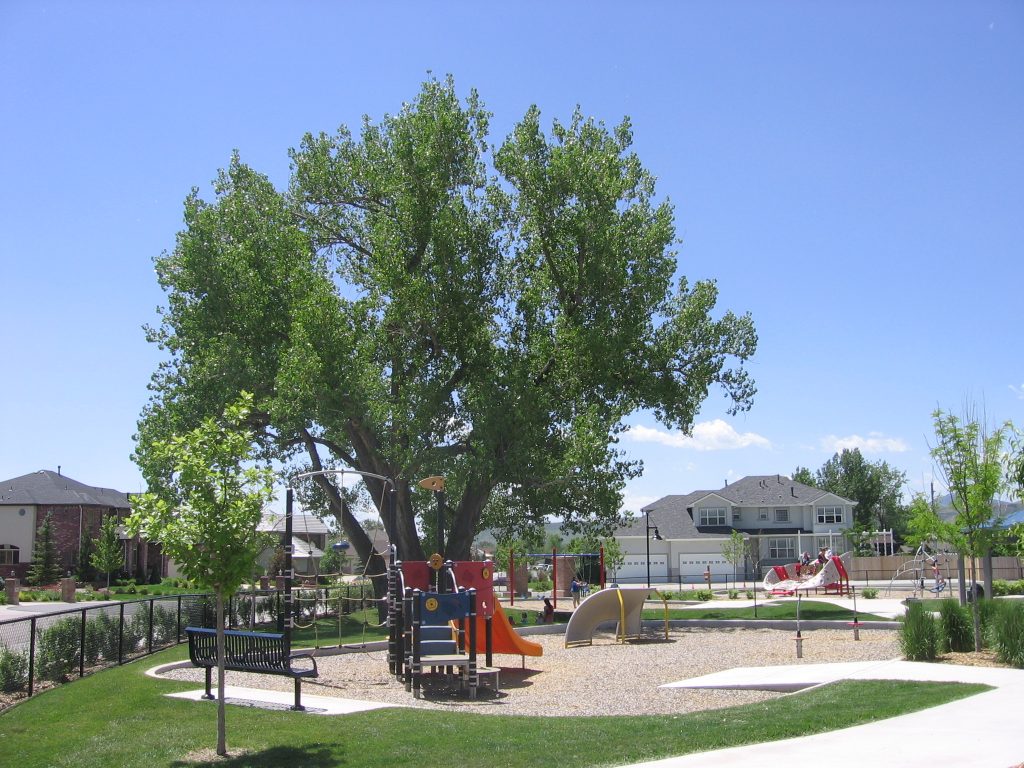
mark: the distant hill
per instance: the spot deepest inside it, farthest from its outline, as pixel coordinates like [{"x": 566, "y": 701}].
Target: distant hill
[{"x": 1001, "y": 508}]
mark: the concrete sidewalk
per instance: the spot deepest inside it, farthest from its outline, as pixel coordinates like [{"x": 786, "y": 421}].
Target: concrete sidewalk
[{"x": 980, "y": 731}]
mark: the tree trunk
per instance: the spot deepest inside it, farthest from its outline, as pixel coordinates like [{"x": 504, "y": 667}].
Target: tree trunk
[{"x": 222, "y": 745}]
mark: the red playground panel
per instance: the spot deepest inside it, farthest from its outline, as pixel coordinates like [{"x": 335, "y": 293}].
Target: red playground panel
[
  {"x": 418, "y": 574},
  {"x": 473, "y": 574}
]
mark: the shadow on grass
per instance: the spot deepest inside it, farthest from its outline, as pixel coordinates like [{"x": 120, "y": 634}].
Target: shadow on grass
[{"x": 313, "y": 756}]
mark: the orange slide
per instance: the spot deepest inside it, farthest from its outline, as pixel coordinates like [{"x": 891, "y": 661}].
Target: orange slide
[{"x": 504, "y": 638}]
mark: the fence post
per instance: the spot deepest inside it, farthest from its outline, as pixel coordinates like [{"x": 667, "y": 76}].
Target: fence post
[
  {"x": 120, "y": 635},
  {"x": 31, "y": 655},
  {"x": 149, "y": 640},
  {"x": 177, "y": 625},
  {"x": 81, "y": 647}
]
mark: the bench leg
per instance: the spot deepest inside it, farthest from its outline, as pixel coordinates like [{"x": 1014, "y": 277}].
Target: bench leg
[
  {"x": 298, "y": 696},
  {"x": 209, "y": 673}
]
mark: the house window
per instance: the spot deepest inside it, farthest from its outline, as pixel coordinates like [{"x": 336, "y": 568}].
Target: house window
[
  {"x": 713, "y": 516},
  {"x": 735, "y": 516},
  {"x": 781, "y": 515},
  {"x": 762, "y": 513},
  {"x": 829, "y": 515},
  {"x": 781, "y": 549},
  {"x": 8, "y": 554}
]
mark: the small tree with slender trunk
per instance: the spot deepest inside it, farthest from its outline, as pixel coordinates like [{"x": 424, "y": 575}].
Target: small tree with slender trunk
[
  {"x": 734, "y": 550},
  {"x": 204, "y": 505},
  {"x": 970, "y": 459},
  {"x": 108, "y": 552}
]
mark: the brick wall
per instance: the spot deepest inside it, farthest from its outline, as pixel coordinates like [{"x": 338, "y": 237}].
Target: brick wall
[{"x": 69, "y": 524}]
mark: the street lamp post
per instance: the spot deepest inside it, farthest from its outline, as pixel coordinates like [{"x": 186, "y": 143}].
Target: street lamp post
[{"x": 657, "y": 537}]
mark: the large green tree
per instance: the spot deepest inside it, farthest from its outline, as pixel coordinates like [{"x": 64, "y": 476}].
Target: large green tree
[
  {"x": 875, "y": 486},
  {"x": 204, "y": 504},
  {"x": 419, "y": 302}
]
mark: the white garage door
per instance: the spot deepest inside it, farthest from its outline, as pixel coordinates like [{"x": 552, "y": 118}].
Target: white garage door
[
  {"x": 634, "y": 569},
  {"x": 693, "y": 566}
]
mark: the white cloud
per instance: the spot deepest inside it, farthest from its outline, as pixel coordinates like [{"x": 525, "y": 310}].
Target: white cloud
[
  {"x": 875, "y": 442},
  {"x": 714, "y": 435},
  {"x": 1018, "y": 391},
  {"x": 635, "y": 502}
]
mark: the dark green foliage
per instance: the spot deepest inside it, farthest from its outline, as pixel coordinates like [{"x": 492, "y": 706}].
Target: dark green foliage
[
  {"x": 1001, "y": 588},
  {"x": 101, "y": 638},
  {"x": 1007, "y": 632},
  {"x": 165, "y": 625},
  {"x": 955, "y": 620},
  {"x": 919, "y": 634},
  {"x": 13, "y": 670},
  {"x": 84, "y": 570},
  {"x": 57, "y": 650},
  {"x": 46, "y": 566}
]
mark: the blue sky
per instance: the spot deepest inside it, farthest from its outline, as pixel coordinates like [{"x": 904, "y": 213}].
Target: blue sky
[{"x": 850, "y": 173}]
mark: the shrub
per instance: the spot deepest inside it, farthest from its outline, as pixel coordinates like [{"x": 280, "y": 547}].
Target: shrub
[
  {"x": 57, "y": 650},
  {"x": 734, "y": 594},
  {"x": 1007, "y": 633},
  {"x": 13, "y": 670},
  {"x": 919, "y": 637},
  {"x": 165, "y": 625},
  {"x": 1001, "y": 588},
  {"x": 704, "y": 594},
  {"x": 101, "y": 638},
  {"x": 957, "y": 626},
  {"x": 869, "y": 593},
  {"x": 750, "y": 594}
]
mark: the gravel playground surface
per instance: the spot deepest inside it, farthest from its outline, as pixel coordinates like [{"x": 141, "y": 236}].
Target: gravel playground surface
[{"x": 603, "y": 679}]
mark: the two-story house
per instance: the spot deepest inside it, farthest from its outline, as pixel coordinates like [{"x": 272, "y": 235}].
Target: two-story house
[{"x": 779, "y": 517}]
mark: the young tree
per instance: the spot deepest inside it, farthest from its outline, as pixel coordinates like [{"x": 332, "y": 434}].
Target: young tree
[
  {"x": 204, "y": 505},
  {"x": 108, "y": 550},
  {"x": 734, "y": 550},
  {"x": 970, "y": 459},
  {"x": 418, "y": 304},
  {"x": 45, "y": 559},
  {"x": 85, "y": 571}
]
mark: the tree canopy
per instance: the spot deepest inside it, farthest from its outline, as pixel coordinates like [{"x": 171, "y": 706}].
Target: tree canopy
[
  {"x": 875, "y": 486},
  {"x": 419, "y": 302}
]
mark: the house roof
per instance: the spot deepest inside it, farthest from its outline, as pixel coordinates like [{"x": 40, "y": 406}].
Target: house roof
[
  {"x": 52, "y": 488},
  {"x": 675, "y": 521},
  {"x": 302, "y": 523}
]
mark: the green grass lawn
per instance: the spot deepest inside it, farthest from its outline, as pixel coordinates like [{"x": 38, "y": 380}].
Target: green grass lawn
[
  {"x": 120, "y": 717},
  {"x": 810, "y": 610}
]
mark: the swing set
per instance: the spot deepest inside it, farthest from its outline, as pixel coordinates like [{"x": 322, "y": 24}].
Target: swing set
[{"x": 555, "y": 555}]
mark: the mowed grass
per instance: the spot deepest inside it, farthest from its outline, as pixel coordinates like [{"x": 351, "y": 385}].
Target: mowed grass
[
  {"x": 810, "y": 610},
  {"x": 120, "y": 717}
]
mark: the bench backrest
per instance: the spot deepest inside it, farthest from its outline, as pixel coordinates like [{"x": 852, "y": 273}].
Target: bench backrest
[{"x": 257, "y": 650}]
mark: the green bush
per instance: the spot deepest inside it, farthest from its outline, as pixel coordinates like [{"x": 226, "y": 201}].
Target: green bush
[
  {"x": 957, "y": 626},
  {"x": 1001, "y": 588},
  {"x": 704, "y": 594},
  {"x": 1007, "y": 632},
  {"x": 101, "y": 638},
  {"x": 165, "y": 625},
  {"x": 750, "y": 594},
  {"x": 57, "y": 650},
  {"x": 919, "y": 636},
  {"x": 13, "y": 670},
  {"x": 869, "y": 593},
  {"x": 734, "y": 594}
]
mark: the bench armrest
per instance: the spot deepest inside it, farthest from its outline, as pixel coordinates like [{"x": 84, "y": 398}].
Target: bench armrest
[{"x": 304, "y": 655}]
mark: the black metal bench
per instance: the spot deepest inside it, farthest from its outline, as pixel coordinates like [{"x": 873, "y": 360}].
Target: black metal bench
[{"x": 261, "y": 652}]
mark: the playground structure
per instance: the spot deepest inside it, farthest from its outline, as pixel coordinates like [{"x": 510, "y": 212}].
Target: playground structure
[
  {"x": 788, "y": 580},
  {"x": 919, "y": 569},
  {"x": 441, "y": 615},
  {"x": 623, "y": 605}
]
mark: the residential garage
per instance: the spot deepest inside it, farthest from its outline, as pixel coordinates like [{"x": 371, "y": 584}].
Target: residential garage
[{"x": 634, "y": 569}]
